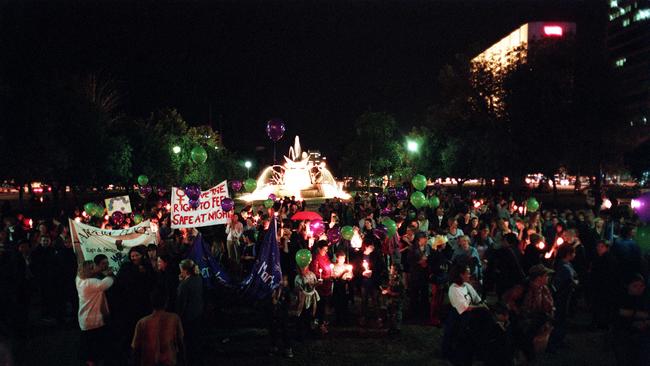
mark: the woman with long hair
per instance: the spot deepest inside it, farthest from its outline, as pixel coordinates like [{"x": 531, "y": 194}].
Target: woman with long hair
[{"x": 93, "y": 311}]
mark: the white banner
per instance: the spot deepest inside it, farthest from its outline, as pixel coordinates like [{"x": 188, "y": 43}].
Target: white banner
[
  {"x": 119, "y": 203},
  {"x": 208, "y": 213},
  {"x": 115, "y": 244}
]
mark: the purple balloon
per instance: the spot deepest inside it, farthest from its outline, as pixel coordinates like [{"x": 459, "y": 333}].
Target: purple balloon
[
  {"x": 401, "y": 193},
  {"x": 334, "y": 235},
  {"x": 380, "y": 232},
  {"x": 161, "y": 191},
  {"x": 227, "y": 204},
  {"x": 236, "y": 185},
  {"x": 272, "y": 197},
  {"x": 193, "y": 191},
  {"x": 275, "y": 129},
  {"x": 144, "y": 191},
  {"x": 381, "y": 199},
  {"x": 641, "y": 207},
  {"x": 317, "y": 228},
  {"x": 386, "y": 211},
  {"x": 117, "y": 218},
  {"x": 194, "y": 204}
]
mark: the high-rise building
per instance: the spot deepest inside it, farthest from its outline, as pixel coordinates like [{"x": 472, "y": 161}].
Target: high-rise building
[
  {"x": 522, "y": 38},
  {"x": 628, "y": 42}
]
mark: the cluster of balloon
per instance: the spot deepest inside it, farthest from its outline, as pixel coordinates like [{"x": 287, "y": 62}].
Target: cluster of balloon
[
  {"x": 144, "y": 191},
  {"x": 161, "y": 191},
  {"x": 117, "y": 218},
  {"x": 250, "y": 184},
  {"x": 303, "y": 258},
  {"x": 380, "y": 232},
  {"x": 419, "y": 182},
  {"x": 137, "y": 218},
  {"x": 227, "y": 204},
  {"x": 434, "y": 201},
  {"x": 275, "y": 129},
  {"x": 390, "y": 225},
  {"x": 334, "y": 235},
  {"x": 532, "y": 205},
  {"x": 93, "y": 209},
  {"x": 198, "y": 154},
  {"x": 193, "y": 193},
  {"x": 401, "y": 193},
  {"x": 143, "y": 180},
  {"x": 236, "y": 185},
  {"x": 317, "y": 228},
  {"x": 418, "y": 199},
  {"x": 347, "y": 232}
]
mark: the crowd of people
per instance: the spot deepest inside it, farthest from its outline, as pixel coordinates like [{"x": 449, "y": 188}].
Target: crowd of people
[{"x": 502, "y": 283}]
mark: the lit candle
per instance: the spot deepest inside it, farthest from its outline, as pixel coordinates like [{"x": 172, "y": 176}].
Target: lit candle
[
  {"x": 560, "y": 241},
  {"x": 320, "y": 273},
  {"x": 548, "y": 254},
  {"x": 540, "y": 245},
  {"x": 365, "y": 264}
]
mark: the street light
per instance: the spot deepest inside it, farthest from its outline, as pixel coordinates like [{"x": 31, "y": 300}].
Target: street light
[
  {"x": 248, "y": 166},
  {"x": 412, "y": 146},
  {"x": 176, "y": 149}
]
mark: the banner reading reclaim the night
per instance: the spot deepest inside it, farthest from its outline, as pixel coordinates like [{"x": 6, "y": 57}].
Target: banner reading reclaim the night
[{"x": 90, "y": 241}]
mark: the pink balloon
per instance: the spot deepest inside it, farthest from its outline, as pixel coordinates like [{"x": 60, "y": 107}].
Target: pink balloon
[{"x": 317, "y": 227}]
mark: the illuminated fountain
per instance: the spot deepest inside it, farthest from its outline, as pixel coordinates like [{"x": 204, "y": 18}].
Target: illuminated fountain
[{"x": 300, "y": 176}]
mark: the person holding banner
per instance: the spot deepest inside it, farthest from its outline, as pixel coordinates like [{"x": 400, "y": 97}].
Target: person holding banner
[
  {"x": 234, "y": 230},
  {"x": 93, "y": 309}
]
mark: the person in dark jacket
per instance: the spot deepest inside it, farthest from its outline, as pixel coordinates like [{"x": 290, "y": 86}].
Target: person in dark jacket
[
  {"x": 167, "y": 279},
  {"x": 134, "y": 283},
  {"x": 419, "y": 277},
  {"x": 603, "y": 286},
  {"x": 189, "y": 306},
  {"x": 507, "y": 268}
]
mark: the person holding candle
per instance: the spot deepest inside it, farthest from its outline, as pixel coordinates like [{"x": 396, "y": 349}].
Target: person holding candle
[
  {"x": 394, "y": 293},
  {"x": 342, "y": 274},
  {"x": 321, "y": 265},
  {"x": 373, "y": 270}
]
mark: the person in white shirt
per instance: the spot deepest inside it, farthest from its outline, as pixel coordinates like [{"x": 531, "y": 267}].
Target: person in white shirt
[
  {"x": 462, "y": 295},
  {"x": 234, "y": 230},
  {"x": 93, "y": 309}
]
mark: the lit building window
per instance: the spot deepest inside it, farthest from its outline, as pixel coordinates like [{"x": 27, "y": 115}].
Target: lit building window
[{"x": 620, "y": 62}]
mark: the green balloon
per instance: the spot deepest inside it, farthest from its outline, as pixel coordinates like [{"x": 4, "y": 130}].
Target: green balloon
[
  {"x": 434, "y": 202},
  {"x": 418, "y": 199},
  {"x": 90, "y": 208},
  {"x": 143, "y": 180},
  {"x": 137, "y": 218},
  {"x": 98, "y": 210},
  {"x": 347, "y": 232},
  {"x": 303, "y": 258},
  {"x": 643, "y": 238},
  {"x": 198, "y": 154},
  {"x": 250, "y": 184},
  {"x": 268, "y": 203},
  {"x": 390, "y": 225},
  {"x": 419, "y": 182},
  {"x": 532, "y": 204}
]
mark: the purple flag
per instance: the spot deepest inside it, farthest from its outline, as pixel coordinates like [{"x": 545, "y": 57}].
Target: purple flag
[{"x": 266, "y": 273}]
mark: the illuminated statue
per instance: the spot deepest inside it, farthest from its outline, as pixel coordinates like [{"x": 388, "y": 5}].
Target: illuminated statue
[{"x": 302, "y": 176}]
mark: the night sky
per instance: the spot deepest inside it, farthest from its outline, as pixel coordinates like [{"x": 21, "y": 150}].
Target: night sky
[{"x": 317, "y": 65}]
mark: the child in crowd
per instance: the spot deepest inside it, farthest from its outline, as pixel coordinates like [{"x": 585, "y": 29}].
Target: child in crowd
[{"x": 394, "y": 293}]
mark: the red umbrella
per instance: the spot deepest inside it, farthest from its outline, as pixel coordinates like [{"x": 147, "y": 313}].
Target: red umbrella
[{"x": 306, "y": 215}]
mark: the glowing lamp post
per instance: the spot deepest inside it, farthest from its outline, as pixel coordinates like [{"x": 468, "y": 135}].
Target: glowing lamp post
[
  {"x": 412, "y": 146},
  {"x": 248, "y": 166},
  {"x": 176, "y": 149}
]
